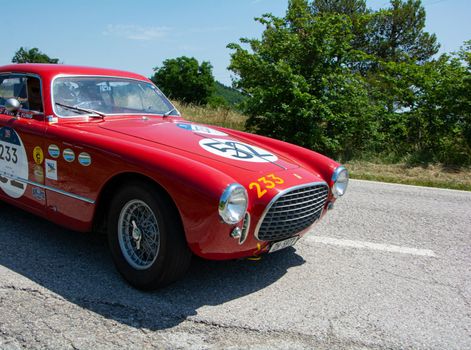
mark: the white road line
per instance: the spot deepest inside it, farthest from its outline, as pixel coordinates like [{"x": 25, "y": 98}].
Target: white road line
[{"x": 369, "y": 245}]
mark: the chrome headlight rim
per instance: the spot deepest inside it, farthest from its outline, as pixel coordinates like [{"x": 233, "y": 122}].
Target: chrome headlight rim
[
  {"x": 339, "y": 188},
  {"x": 224, "y": 208}
]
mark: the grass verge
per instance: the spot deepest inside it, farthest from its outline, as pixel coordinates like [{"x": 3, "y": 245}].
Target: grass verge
[
  {"x": 430, "y": 175},
  {"x": 215, "y": 116}
]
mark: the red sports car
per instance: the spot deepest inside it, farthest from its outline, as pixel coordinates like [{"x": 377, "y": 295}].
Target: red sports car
[{"x": 98, "y": 149}]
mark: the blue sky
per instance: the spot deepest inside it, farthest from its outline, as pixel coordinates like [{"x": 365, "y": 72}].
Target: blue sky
[{"x": 138, "y": 35}]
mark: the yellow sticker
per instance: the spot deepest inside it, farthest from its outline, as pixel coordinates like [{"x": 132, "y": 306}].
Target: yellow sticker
[{"x": 38, "y": 155}]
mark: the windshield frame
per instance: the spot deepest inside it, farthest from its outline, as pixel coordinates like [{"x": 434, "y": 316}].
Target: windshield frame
[{"x": 87, "y": 115}]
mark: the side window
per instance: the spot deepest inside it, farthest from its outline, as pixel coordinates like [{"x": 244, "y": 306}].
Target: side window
[
  {"x": 11, "y": 86},
  {"x": 27, "y": 90},
  {"x": 34, "y": 94}
]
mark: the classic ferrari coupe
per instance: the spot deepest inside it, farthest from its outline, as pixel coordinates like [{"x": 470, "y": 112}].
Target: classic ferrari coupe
[{"x": 104, "y": 150}]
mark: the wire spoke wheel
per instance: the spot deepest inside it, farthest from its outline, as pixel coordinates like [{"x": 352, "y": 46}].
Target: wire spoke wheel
[
  {"x": 146, "y": 236},
  {"x": 138, "y": 234}
]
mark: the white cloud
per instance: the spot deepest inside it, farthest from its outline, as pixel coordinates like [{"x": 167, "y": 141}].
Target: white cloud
[
  {"x": 134, "y": 32},
  {"x": 209, "y": 29}
]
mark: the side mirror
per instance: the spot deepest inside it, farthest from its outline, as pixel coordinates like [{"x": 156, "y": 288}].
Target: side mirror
[{"x": 12, "y": 105}]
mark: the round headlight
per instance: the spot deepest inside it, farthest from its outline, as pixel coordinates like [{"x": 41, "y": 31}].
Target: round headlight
[
  {"x": 233, "y": 204},
  {"x": 340, "y": 180}
]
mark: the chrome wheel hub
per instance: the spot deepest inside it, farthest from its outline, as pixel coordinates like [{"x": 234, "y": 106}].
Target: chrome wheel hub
[{"x": 138, "y": 234}]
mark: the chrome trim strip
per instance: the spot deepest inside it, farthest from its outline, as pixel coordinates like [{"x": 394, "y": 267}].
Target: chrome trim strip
[
  {"x": 274, "y": 199},
  {"x": 53, "y": 105},
  {"x": 53, "y": 189}
]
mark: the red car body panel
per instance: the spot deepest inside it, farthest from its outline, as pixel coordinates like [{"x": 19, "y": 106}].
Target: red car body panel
[{"x": 162, "y": 149}]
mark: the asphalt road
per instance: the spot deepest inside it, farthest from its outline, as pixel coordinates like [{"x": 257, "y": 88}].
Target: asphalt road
[{"x": 389, "y": 268}]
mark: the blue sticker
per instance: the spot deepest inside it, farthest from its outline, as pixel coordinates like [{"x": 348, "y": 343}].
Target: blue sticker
[
  {"x": 39, "y": 194},
  {"x": 51, "y": 169},
  {"x": 85, "y": 159},
  {"x": 200, "y": 129},
  {"x": 68, "y": 155},
  {"x": 184, "y": 126},
  {"x": 54, "y": 151}
]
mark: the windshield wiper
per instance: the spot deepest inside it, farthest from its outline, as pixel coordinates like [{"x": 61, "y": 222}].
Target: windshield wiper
[
  {"x": 79, "y": 109},
  {"x": 168, "y": 113}
]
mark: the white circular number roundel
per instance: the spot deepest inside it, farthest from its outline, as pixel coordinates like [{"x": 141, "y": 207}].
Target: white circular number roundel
[
  {"x": 13, "y": 163},
  {"x": 237, "y": 150}
]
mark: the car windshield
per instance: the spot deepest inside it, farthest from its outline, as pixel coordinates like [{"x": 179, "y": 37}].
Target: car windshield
[{"x": 109, "y": 96}]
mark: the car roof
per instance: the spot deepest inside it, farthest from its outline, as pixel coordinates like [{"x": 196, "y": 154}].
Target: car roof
[{"x": 51, "y": 70}]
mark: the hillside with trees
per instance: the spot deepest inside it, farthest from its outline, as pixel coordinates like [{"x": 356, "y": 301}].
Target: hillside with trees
[{"x": 231, "y": 96}]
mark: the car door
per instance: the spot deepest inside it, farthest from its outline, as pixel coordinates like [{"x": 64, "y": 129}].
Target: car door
[{"x": 21, "y": 142}]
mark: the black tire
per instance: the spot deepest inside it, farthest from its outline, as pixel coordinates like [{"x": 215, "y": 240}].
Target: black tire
[{"x": 172, "y": 256}]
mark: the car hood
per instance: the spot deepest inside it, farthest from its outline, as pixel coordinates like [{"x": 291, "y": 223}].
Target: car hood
[{"x": 204, "y": 141}]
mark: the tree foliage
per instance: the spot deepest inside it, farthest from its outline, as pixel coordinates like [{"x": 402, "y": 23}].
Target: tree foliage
[
  {"x": 397, "y": 33},
  {"x": 337, "y": 77},
  {"x": 300, "y": 84},
  {"x": 24, "y": 55},
  {"x": 183, "y": 78},
  {"x": 442, "y": 111}
]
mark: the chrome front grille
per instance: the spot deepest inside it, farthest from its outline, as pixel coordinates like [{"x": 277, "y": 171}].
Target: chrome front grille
[{"x": 292, "y": 212}]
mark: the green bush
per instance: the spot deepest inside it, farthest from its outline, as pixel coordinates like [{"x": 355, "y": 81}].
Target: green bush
[{"x": 184, "y": 79}]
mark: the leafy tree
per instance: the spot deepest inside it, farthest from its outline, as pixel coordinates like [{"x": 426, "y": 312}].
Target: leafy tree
[
  {"x": 425, "y": 109},
  {"x": 396, "y": 66},
  {"x": 343, "y": 79},
  {"x": 397, "y": 33},
  {"x": 443, "y": 110},
  {"x": 24, "y": 55},
  {"x": 183, "y": 78},
  {"x": 356, "y": 10},
  {"x": 299, "y": 84},
  {"x": 351, "y": 8},
  {"x": 465, "y": 100}
]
